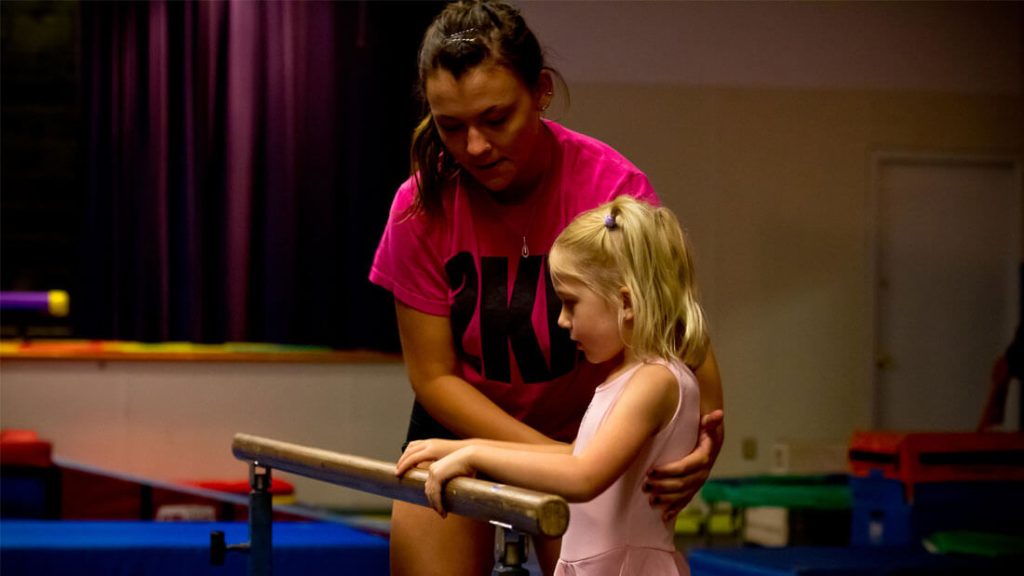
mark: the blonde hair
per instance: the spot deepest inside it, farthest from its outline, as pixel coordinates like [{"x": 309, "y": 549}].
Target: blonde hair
[{"x": 627, "y": 243}]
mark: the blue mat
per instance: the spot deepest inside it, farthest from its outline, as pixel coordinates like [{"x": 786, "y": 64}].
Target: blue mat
[
  {"x": 843, "y": 561},
  {"x": 110, "y": 548}
]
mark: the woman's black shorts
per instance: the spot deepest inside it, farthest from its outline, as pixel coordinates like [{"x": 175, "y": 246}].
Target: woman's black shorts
[{"x": 422, "y": 426}]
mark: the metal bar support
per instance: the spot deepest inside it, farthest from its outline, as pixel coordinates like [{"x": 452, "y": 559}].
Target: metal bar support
[
  {"x": 512, "y": 553},
  {"x": 260, "y": 520}
]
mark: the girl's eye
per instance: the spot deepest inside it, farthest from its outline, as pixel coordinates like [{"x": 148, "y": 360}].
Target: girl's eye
[{"x": 497, "y": 121}]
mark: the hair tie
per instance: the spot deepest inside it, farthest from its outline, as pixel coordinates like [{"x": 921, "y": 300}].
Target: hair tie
[{"x": 609, "y": 222}]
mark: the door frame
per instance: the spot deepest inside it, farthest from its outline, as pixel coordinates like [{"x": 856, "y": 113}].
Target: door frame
[{"x": 878, "y": 161}]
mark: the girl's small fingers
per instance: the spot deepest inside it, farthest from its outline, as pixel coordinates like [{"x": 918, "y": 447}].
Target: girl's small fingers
[
  {"x": 440, "y": 509},
  {"x": 401, "y": 466},
  {"x": 434, "y": 498},
  {"x": 404, "y": 464}
]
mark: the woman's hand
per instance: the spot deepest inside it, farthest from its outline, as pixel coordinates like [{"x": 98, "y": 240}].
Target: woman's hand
[
  {"x": 673, "y": 485},
  {"x": 457, "y": 463},
  {"x": 419, "y": 451}
]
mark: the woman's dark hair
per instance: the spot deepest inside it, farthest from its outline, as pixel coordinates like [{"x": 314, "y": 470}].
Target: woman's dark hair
[{"x": 465, "y": 34}]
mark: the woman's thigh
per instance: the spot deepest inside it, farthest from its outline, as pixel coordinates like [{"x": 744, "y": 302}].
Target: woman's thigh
[
  {"x": 547, "y": 550},
  {"x": 424, "y": 544}
]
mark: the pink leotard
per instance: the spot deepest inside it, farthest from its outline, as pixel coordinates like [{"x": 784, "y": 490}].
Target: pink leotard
[{"x": 618, "y": 533}]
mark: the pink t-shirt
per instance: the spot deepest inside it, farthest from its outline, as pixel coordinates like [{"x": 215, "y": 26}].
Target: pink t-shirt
[
  {"x": 468, "y": 266},
  {"x": 618, "y": 532}
]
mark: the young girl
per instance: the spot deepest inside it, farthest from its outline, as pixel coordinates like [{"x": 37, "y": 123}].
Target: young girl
[{"x": 625, "y": 278}]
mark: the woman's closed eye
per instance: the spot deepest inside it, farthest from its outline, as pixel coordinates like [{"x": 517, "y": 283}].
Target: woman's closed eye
[
  {"x": 450, "y": 127},
  {"x": 497, "y": 122}
]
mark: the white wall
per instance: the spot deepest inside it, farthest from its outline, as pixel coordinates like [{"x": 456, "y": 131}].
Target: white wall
[
  {"x": 755, "y": 121},
  {"x": 175, "y": 421},
  {"x": 970, "y": 47}
]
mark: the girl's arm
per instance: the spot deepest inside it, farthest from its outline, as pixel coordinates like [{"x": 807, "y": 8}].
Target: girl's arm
[
  {"x": 647, "y": 403},
  {"x": 430, "y": 362},
  {"x": 419, "y": 451},
  {"x": 673, "y": 485}
]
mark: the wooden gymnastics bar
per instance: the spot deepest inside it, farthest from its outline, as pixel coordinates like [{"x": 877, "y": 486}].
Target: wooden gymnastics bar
[{"x": 523, "y": 510}]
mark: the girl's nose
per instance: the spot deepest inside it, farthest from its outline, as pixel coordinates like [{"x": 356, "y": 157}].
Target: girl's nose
[{"x": 563, "y": 320}]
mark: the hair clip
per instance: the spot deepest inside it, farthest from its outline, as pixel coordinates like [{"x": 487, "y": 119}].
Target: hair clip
[
  {"x": 467, "y": 35},
  {"x": 609, "y": 221}
]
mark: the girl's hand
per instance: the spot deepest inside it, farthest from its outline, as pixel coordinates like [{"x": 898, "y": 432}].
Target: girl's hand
[
  {"x": 457, "y": 463},
  {"x": 673, "y": 485},
  {"x": 419, "y": 451}
]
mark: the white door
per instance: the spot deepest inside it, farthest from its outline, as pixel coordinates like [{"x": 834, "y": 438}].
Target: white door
[{"x": 948, "y": 250}]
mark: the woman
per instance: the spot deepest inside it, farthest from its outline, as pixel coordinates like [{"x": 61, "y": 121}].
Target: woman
[{"x": 464, "y": 255}]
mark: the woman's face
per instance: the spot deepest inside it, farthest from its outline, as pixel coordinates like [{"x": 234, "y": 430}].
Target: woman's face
[{"x": 489, "y": 121}]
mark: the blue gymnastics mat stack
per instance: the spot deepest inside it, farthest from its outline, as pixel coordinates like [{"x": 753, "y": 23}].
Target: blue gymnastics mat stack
[
  {"x": 60, "y": 518},
  {"x": 844, "y": 561},
  {"x": 918, "y": 504},
  {"x": 104, "y": 548},
  {"x": 907, "y": 487}
]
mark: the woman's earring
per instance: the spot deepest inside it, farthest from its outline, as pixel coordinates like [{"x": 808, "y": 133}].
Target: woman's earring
[{"x": 550, "y": 96}]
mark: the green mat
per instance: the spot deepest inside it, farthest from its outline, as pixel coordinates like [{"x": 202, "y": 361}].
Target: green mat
[
  {"x": 821, "y": 492},
  {"x": 991, "y": 544}
]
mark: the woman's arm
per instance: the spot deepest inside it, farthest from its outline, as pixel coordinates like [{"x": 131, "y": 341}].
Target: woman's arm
[
  {"x": 647, "y": 403},
  {"x": 673, "y": 485},
  {"x": 995, "y": 404},
  {"x": 710, "y": 383},
  {"x": 430, "y": 362}
]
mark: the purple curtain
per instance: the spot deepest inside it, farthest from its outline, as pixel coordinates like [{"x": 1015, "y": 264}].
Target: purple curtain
[{"x": 240, "y": 163}]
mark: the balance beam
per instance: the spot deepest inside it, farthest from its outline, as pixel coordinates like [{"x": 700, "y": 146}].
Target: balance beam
[{"x": 524, "y": 510}]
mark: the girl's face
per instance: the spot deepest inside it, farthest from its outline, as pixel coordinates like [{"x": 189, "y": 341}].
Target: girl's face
[
  {"x": 592, "y": 321},
  {"x": 489, "y": 121}
]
